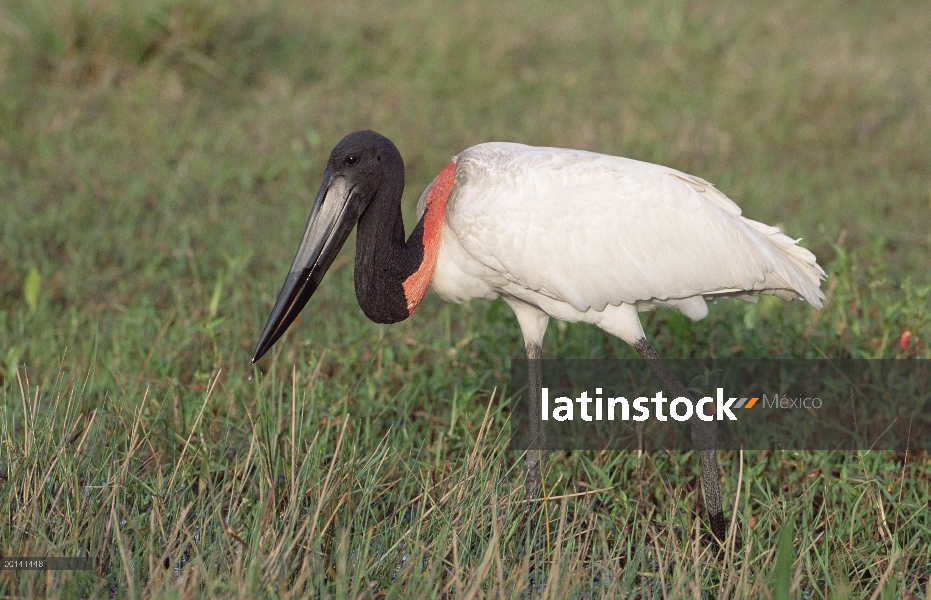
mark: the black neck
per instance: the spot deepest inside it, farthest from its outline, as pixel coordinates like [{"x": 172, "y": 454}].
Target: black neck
[{"x": 383, "y": 258}]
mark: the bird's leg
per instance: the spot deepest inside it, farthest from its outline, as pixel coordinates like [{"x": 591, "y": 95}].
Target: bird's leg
[
  {"x": 533, "y": 327},
  {"x": 704, "y": 437},
  {"x": 535, "y": 467},
  {"x": 537, "y": 456}
]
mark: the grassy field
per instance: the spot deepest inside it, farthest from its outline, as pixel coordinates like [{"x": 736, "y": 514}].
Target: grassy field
[{"x": 157, "y": 162}]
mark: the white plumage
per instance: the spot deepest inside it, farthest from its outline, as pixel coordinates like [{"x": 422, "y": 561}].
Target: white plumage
[{"x": 594, "y": 238}]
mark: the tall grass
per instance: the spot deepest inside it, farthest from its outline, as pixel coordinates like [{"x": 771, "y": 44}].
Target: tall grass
[
  {"x": 157, "y": 161},
  {"x": 284, "y": 509}
]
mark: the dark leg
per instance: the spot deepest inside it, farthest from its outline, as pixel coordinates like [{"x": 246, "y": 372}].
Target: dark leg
[
  {"x": 535, "y": 468},
  {"x": 537, "y": 456},
  {"x": 704, "y": 436}
]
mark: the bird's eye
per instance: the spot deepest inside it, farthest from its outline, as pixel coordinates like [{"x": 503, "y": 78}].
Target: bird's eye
[{"x": 352, "y": 160}]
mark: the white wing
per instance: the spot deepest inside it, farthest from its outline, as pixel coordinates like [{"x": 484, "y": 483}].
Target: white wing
[{"x": 592, "y": 230}]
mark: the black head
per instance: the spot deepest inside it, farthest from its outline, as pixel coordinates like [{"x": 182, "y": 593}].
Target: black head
[
  {"x": 361, "y": 165},
  {"x": 364, "y": 156}
]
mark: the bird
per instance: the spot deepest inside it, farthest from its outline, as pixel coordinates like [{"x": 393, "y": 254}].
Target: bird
[{"x": 557, "y": 233}]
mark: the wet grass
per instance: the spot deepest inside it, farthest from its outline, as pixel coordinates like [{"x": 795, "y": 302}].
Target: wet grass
[{"x": 157, "y": 161}]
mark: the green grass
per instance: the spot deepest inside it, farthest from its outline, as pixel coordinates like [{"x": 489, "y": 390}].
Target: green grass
[{"x": 157, "y": 162}]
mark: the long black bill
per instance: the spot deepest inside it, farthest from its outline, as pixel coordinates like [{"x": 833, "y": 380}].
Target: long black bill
[{"x": 331, "y": 220}]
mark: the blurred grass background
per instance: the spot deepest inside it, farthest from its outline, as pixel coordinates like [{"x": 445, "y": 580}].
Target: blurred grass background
[{"x": 157, "y": 162}]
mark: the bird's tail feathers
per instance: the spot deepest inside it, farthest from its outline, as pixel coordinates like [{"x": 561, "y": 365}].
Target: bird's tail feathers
[{"x": 798, "y": 269}]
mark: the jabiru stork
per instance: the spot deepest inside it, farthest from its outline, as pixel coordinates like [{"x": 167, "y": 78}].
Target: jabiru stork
[{"x": 567, "y": 234}]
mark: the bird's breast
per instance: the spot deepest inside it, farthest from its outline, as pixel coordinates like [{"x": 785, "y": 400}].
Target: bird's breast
[{"x": 459, "y": 277}]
